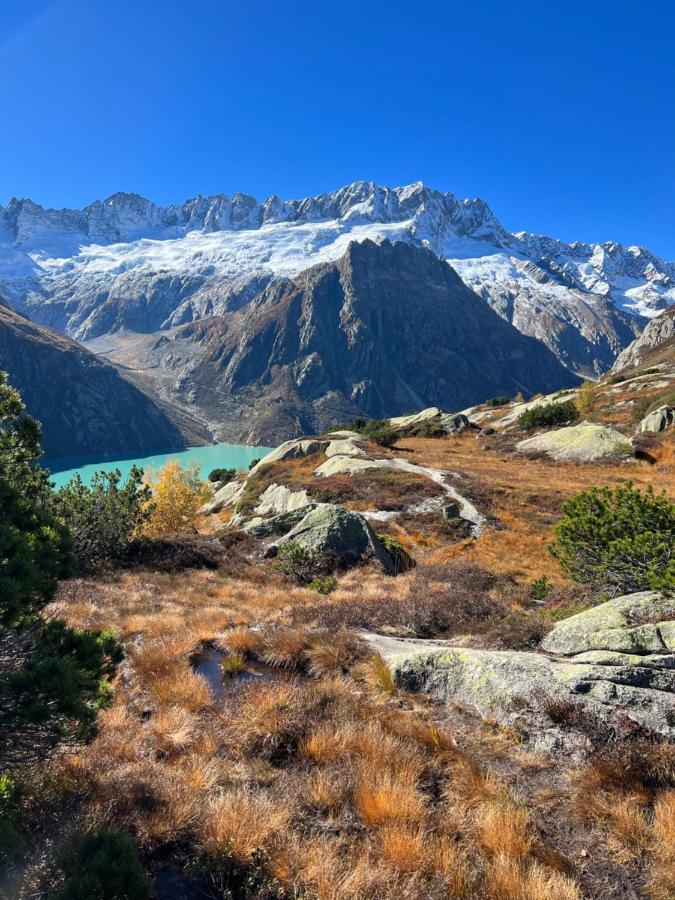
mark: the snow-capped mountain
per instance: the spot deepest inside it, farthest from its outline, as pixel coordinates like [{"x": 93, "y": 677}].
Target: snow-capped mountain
[{"x": 126, "y": 263}]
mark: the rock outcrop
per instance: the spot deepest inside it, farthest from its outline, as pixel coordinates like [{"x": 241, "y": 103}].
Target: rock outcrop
[
  {"x": 339, "y": 535},
  {"x": 658, "y": 420},
  {"x": 656, "y": 342},
  {"x": 579, "y": 443},
  {"x": 615, "y": 660}
]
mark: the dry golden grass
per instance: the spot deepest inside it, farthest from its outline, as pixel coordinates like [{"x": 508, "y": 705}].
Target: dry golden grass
[
  {"x": 385, "y": 797},
  {"x": 238, "y": 823},
  {"x": 662, "y": 883},
  {"x": 349, "y": 788}
]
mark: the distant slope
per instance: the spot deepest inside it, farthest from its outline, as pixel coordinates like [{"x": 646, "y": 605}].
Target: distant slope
[
  {"x": 386, "y": 329},
  {"x": 655, "y": 345},
  {"x": 84, "y": 405},
  {"x": 126, "y": 263}
]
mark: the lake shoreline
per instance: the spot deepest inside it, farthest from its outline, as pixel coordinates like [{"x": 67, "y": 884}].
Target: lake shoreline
[{"x": 208, "y": 457}]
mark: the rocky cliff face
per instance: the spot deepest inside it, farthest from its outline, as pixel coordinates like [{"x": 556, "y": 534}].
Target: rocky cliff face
[
  {"x": 655, "y": 344},
  {"x": 126, "y": 263},
  {"x": 84, "y": 405},
  {"x": 386, "y": 329}
]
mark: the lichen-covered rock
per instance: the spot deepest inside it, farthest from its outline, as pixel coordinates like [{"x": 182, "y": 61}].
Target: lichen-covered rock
[
  {"x": 614, "y": 662},
  {"x": 277, "y": 498},
  {"x": 224, "y": 496},
  {"x": 580, "y": 443},
  {"x": 340, "y": 534},
  {"x": 349, "y": 465},
  {"x": 636, "y": 623},
  {"x": 344, "y": 447},
  {"x": 275, "y": 525},
  {"x": 658, "y": 420}
]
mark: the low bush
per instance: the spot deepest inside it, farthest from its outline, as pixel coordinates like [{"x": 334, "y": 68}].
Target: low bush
[
  {"x": 620, "y": 537},
  {"x": 399, "y": 555},
  {"x": 103, "y": 516},
  {"x": 10, "y": 835},
  {"x": 548, "y": 415},
  {"x": 222, "y": 476},
  {"x": 300, "y": 564},
  {"x": 324, "y": 585},
  {"x": 253, "y": 463},
  {"x": 501, "y": 400},
  {"x": 377, "y": 430},
  {"x": 103, "y": 865},
  {"x": 440, "y": 601}
]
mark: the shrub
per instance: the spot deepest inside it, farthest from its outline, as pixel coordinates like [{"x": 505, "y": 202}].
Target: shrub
[
  {"x": 253, "y": 463},
  {"x": 501, "y": 400},
  {"x": 34, "y": 545},
  {"x": 401, "y": 558},
  {"x": 377, "y": 430},
  {"x": 103, "y": 517},
  {"x": 300, "y": 564},
  {"x": 547, "y": 415},
  {"x": 619, "y": 537},
  {"x": 63, "y": 676},
  {"x": 177, "y": 495},
  {"x": 103, "y": 865},
  {"x": 384, "y": 437},
  {"x": 324, "y": 585},
  {"x": 10, "y": 837},
  {"x": 541, "y": 588},
  {"x": 222, "y": 476}
]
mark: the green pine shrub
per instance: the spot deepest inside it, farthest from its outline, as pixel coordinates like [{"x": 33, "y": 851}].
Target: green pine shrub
[
  {"x": 103, "y": 865},
  {"x": 104, "y": 516},
  {"x": 222, "y": 476},
  {"x": 501, "y": 400},
  {"x": 621, "y": 538},
  {"x": 548, "y": 415}
]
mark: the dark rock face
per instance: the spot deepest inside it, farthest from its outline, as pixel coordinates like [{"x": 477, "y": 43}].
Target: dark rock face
[
  {"x": 386, "y": 329},
  {"x": 84, "y": 405}
]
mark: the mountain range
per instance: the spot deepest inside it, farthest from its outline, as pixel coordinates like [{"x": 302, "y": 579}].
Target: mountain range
[
  {"x": 262, "y": 320},
  {"x": 128, "y": 264}
]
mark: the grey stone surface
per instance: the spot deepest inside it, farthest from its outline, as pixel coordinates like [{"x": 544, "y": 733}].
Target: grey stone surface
[
  {"x": 339, "y": 533},
  {"x": 658, "y": 420},
  {"x": 579, "y": 443}
]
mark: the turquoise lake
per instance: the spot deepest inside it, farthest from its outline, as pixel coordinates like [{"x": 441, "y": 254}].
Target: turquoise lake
[{"x": 215, "y": 456}]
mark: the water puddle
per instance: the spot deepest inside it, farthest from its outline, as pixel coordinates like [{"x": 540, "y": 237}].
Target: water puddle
[{"x": 208, "y": 662}]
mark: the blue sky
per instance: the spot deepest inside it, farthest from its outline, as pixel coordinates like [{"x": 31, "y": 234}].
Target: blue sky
[{"x": 561, "y": 116}]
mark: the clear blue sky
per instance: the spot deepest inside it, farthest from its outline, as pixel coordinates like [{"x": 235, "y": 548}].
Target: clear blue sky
[{"x": 560, "y": 115}]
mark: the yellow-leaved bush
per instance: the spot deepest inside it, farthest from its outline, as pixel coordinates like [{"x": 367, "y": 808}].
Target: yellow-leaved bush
[{"x": 177, "y": 494}]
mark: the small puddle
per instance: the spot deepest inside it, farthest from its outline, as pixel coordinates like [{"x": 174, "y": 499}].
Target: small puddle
[{"x": 208, "y": 662}]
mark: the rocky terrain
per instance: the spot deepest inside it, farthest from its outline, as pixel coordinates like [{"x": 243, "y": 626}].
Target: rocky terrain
[
  {"x": 385, "y": 329},
  {"x": 362, "y": 673},
  {"x": 126, "y": 263},
  {"x": 85, "y": 406},
  {"x": 654, "y": 345}
]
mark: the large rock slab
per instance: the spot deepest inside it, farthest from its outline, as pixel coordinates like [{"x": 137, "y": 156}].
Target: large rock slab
[
  {"x": 345, "y": 447},
  {"x": 636, "y": 623},
  {"x": 615, "y": 662},
  {"x": 224, "y": 496},
  {"x": 340, "y": 534},
  {"x": 349, "y": 465},
  {"x": 658, "y": 420},
  {"x": 579, "y": 443},
  {"x": 277, "y": 498}
]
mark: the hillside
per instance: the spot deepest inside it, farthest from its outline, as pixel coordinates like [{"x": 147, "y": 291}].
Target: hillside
[
  {"x": 477, "y": 725},
  {"x": 84, "y": 405},
  {"x": 385, "y": 329}
]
